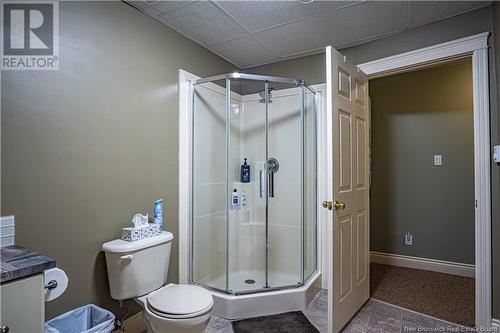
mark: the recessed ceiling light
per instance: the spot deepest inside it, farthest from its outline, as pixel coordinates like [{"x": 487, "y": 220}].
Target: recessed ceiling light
[{"x": 305, "y": 2}]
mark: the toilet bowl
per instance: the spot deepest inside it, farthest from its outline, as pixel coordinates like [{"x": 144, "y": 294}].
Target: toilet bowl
[
  {"x": 138, "y": 270},
  {"x": 177, "y": 309}
]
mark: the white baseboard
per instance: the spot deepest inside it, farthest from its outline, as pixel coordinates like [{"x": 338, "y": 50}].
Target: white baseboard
[
  {"x": 134, "y": 324},
  {"x": 440, "y": 266},
  {"x": 495, "y": 323}
]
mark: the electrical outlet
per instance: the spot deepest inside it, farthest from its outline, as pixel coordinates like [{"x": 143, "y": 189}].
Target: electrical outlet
[{"x": 408, "y": 239}]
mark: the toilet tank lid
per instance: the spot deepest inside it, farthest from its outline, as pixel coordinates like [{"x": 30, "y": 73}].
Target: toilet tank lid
[{"x": 120, "y": 246}]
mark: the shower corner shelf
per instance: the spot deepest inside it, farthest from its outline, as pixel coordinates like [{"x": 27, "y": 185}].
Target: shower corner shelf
[
  {"x": 240, "y": 183},
  {"x": 241, "y": 210}
]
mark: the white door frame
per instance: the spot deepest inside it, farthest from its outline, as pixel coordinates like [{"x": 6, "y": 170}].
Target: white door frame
[
  {"x": 475, "y": 46},
  {"x": 185, "y": 91}
]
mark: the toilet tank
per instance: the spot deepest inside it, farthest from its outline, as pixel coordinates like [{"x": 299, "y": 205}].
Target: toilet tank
[{"x": 137, "y": 268}]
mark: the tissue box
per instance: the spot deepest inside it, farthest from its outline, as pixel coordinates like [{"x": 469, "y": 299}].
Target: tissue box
[{"x": 131, "y": 234}]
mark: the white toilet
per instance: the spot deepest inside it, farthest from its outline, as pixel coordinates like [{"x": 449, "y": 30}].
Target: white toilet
[{"x": 139, "y": 270}]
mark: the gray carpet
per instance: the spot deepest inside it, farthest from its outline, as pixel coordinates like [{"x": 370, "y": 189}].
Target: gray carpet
[
  {"x": 289, "y": 322},
  {"x": 444, "y": 296}
]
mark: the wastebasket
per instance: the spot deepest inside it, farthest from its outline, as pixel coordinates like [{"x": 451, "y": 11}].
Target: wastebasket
[{"x": 86, "y": 319}]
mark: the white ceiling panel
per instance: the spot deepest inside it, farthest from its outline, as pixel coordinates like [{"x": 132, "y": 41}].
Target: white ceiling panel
[
  {"x": 256, "y": 15},
  {"x": 245, "y": 51},
  {"x": 424, "y": 12},
  {"x": 204, "y": 23},
  {"x": 340, "y": 28},
  {"x": 146, "y": 7},
  {"x": 250, "y": 33},
  {"x": 157, "y": 8},
  {"x": 170, "y": 6}
]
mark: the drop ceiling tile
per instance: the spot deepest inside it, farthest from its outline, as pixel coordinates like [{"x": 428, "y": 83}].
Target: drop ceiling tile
[
  {"x": 171, "y": 6},
  {"x": 156, "y": 8},
  {"x": 146, "y": 7},
  {"x": 340, "y": 28},
  {"x": 203, "y": 22},
  {"x": 244, "y": 52},
  {"x": 256, "y": 15},
  {"x": 424, "y": 12}
]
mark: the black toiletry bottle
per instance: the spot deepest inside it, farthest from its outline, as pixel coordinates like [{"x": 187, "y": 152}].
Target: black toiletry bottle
[{"x": 245, "y": 172}]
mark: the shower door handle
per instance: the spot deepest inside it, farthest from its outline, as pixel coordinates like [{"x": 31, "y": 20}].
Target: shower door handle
[
  {"x": 272, "y": 166},
  {"x": 271, "y": 184}
]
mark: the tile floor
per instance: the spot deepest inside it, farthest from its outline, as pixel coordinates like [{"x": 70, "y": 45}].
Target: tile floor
[{"x": 374, "y": 317}]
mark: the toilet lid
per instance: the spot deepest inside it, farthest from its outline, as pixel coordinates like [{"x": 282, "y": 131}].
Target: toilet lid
[{"x": 176, "y": 299}]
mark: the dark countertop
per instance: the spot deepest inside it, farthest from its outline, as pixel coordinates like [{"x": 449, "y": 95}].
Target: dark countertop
[{"x": 18, "y": 262}]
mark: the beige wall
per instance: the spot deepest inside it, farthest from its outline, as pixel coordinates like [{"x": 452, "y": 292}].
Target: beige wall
[
  {"x": 311, "y": 69},
  {"x": 87, "y": 146},
  {"x": 416, "y": 115}
]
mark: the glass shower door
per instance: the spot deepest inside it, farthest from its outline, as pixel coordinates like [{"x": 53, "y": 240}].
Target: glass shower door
[
  {"x": 285, "y": 199},
  {"x": 247, "y": 219},
  {"x": 209, "y": 178}
]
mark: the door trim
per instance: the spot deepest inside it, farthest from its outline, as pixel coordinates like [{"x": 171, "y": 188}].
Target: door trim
[
  {"x": 426, "y": 56},
  {"x": 476, "y": 47},
  {"x": 185, "y": 91}
]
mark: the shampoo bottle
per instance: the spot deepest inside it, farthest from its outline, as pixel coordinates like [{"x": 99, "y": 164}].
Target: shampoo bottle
[
  {"x": 158, "y": 212},
  {"x": 245, "y": 172}
]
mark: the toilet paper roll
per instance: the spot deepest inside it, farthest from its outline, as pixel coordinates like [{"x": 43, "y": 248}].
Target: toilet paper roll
[{"x": 57, "y": 275}]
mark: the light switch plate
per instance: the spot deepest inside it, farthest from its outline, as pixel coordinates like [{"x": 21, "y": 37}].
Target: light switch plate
[
  {"x": 438, "y": 160},
  {"x": 496, "y": 154}
]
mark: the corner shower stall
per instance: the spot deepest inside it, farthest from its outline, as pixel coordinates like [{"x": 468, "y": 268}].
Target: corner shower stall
[{"x": 268, "y": 241}]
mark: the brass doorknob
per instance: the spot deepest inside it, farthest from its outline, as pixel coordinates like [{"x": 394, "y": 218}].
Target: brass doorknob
[
  {"x": 339, "y": 205},
  {"x": 328, "y": 204}
]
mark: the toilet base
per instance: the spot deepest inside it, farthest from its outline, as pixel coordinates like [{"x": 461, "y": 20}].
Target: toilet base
[{"x": 158, "y": 324}]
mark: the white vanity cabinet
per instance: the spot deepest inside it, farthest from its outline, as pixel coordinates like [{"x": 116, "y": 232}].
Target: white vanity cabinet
[{"x": 22, "y": 305}]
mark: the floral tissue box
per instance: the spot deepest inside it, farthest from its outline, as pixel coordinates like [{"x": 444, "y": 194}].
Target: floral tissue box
[{"x": 131, "y": 234}]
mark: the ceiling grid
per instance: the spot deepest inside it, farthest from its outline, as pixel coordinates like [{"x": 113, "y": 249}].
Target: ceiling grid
[{"x": 252, "y": 33}]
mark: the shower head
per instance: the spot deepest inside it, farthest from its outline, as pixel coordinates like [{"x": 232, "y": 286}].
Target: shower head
[{"x": 262, "y": 94}]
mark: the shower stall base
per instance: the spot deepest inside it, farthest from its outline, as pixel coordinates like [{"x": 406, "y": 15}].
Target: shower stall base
[
  {"x": 251, "y": 280},
  {"x": 266, "y": 303}
]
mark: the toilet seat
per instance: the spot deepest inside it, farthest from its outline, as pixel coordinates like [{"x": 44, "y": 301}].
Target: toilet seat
[{"x": 180, "y": 301}]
